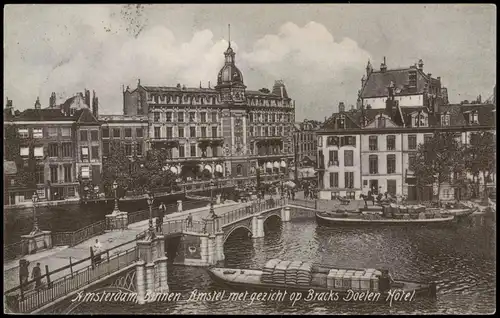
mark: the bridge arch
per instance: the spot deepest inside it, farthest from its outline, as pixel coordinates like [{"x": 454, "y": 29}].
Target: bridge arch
[{"x": 230, "y": 231}]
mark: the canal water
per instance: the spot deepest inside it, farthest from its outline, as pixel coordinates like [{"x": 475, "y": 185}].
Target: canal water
[
  {"x": 461, "y": 258},
  {"x": 73, "y": 217}
]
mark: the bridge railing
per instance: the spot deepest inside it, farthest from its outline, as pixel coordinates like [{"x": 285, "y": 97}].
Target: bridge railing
[
  {"x": 37, "y": 298},
  {"x": 79, "y": 236},
  {"x": 256, "y": 207},
  {"x": 312, "y": 204}
]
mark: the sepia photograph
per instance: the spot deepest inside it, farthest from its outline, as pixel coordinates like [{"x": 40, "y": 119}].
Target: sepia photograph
[{"x": 272, "y": 159}]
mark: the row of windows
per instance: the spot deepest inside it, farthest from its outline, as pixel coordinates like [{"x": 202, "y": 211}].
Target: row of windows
[
  {"x": 117, "y": 132},
  {"x": 168, "y": 99},
  {"x": 373, "y": 141},
  {"x": 272, "y": 117},
  {"x": 49, "y": 132},
  {"x": 94, "y": 135},
  {"x": 180, "y": 117},
  {"x": 67, "y": 173},
  {"x": 339, "y": 141},
  {"x": 139, "y": 151},
  {"x": 373, "y": 164},
  {"x": 348, "y": 180},
  {"x": 180, "y": 132},
  {"x": 333, "y": 158}
]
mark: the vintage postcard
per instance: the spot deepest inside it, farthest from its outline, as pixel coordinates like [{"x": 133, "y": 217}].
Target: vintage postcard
[{"x": 249, "y": 159}]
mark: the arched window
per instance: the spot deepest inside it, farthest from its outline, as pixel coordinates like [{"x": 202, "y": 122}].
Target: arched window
[{"x": 239, "y": 170}]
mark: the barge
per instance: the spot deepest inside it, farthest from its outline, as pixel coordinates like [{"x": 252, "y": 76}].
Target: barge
[{"x": 346, "y": 284}]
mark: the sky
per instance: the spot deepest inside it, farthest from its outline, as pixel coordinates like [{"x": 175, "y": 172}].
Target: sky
[{"x": 320, "y": 51}]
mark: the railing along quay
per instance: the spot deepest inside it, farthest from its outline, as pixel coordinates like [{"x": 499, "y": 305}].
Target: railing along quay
[{"x": 37, "y": 298}]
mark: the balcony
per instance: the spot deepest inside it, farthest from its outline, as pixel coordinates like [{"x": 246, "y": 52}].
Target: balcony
[{"x": 217, "y": 138}]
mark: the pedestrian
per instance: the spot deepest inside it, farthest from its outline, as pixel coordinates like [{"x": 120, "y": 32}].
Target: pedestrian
[
  {"x": 37, "y": 276},
  {"x": 158, "y": 223},
  {"x": 189, "y": 220},
  {"x": 24, "y": 272},
  {"x": 97, "y": 251},
  {"x": 161, "y": 211}
]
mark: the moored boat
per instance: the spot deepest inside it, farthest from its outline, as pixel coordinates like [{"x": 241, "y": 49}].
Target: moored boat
[
  {"x": 318, "y": 282},
  {"x": 357, "y": 219}
]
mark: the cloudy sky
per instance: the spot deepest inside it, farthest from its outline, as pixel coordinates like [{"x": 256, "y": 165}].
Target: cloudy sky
[{"x": 319, "y": 50}]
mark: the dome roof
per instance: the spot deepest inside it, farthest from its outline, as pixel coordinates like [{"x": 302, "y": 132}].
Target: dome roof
[{"x": 229, "y": 74}]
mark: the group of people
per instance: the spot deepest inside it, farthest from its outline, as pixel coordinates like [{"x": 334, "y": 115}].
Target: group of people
[{"x": 36, "y": 274}]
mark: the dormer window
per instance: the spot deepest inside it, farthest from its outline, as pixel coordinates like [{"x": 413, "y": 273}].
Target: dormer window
[
  {"x": 420, "y": 120},
  {"x": 342, "y": 122},
  {"x": 473, "y": 117},
  {"x": 381, "y": 122},
  {"x": 445, "y": 119}
]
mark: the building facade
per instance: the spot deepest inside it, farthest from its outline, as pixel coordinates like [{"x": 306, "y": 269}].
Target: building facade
[
  {"x": 60, "y": 146},
  {"x": 305, "y": 148},
  {"x": 226, "y": 130},
  {"x": 386, "y": 141}
]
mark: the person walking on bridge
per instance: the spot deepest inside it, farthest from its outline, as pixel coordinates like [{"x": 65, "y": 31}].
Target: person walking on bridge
[
  {"x": 189, "y": 220},
  {"x": 162, "y": 209},
  {"x": 37, "y": 276}
]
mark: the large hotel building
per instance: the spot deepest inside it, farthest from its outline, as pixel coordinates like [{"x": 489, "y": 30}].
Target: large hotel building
[
  {"x": 371, "y": 147},
  {"x": 227, "y": 130}
]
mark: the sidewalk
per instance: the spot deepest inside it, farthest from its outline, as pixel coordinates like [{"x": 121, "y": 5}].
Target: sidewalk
[{"x": 59, "y": 256}]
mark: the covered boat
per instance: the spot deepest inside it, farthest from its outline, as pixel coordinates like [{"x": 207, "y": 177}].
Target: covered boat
[
  {"x": 302, "y": 277},
  {"x": 357, "y": 219}
]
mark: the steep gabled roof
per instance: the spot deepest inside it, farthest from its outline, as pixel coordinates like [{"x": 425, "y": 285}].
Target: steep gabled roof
[
  {"x": 351, "y": 120},
  {"x": 85, "y": 116},
  {"x": 377, "y": 82}
]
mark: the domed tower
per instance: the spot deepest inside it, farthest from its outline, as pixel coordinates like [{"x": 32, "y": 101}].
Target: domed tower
[{"x": 230, "y": 80}]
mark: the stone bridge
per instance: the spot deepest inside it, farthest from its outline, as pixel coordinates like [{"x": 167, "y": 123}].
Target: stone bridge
[{"x": 142, "y": 270}]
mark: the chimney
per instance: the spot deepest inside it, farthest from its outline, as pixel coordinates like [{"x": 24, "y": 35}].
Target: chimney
[
  {"x": 95, "y": 105},
  {"x": 178, "y": 86},
  {"x": 183, "y": 86},
  {"x": 37, "y": 103},
  {"x": 369, "y": 68},
  {"x": 439, "y": 79},
  {"x": 138, "y": 82},
  {"x": 208, "y": 84},
  {"x": 383, "y": 66},
  {"x": 389, "y": 103},
  {"x": 421, "y": 65},
  {"x": 341, "y": 107},
  {"x": 430, "y": 75},
  {"x": 200, "y": 84},
  {"x": 87, "y": 98},
  {"x": 52, "y": 100}
]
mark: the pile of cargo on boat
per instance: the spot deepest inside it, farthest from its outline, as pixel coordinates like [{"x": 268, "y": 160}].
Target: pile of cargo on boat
[{"x": 298, "y": 273}]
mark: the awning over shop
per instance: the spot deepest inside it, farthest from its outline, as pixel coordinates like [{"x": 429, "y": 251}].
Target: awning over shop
[
  {"x": 218, "y": 168},
  {"x": 283, "y": 164},
  {"x": 209, "y": 168},
  {"x": 269, "y": 165},
  {"x": 276, "y": 164}
]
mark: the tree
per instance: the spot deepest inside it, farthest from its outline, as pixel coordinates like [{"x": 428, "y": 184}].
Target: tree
[
  {"x": 116, "y": 167},
  {"x": 437, "y": 159},
  {"x": 480, "y": 157}
]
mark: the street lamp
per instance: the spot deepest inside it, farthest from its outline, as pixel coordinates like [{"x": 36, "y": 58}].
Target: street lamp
[
  {"x": 115, "y": 188},
  {"x": 212, "y": 212},
  {"x": 34, "y": 199},
  {"x": 150, "y": 200}
]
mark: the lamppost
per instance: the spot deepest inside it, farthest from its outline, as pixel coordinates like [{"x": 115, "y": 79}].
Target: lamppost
[
  {"x": 115, "y": 188},
  {"x": 212, "y": 212},
  {"x": 151, "y": 232},
  {"x": 34, "y": 199},
  {"x": 96, "y": 191}
]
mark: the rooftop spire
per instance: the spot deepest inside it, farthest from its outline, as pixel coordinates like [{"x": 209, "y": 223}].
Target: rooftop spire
[{"x": 229, "y": 31}]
